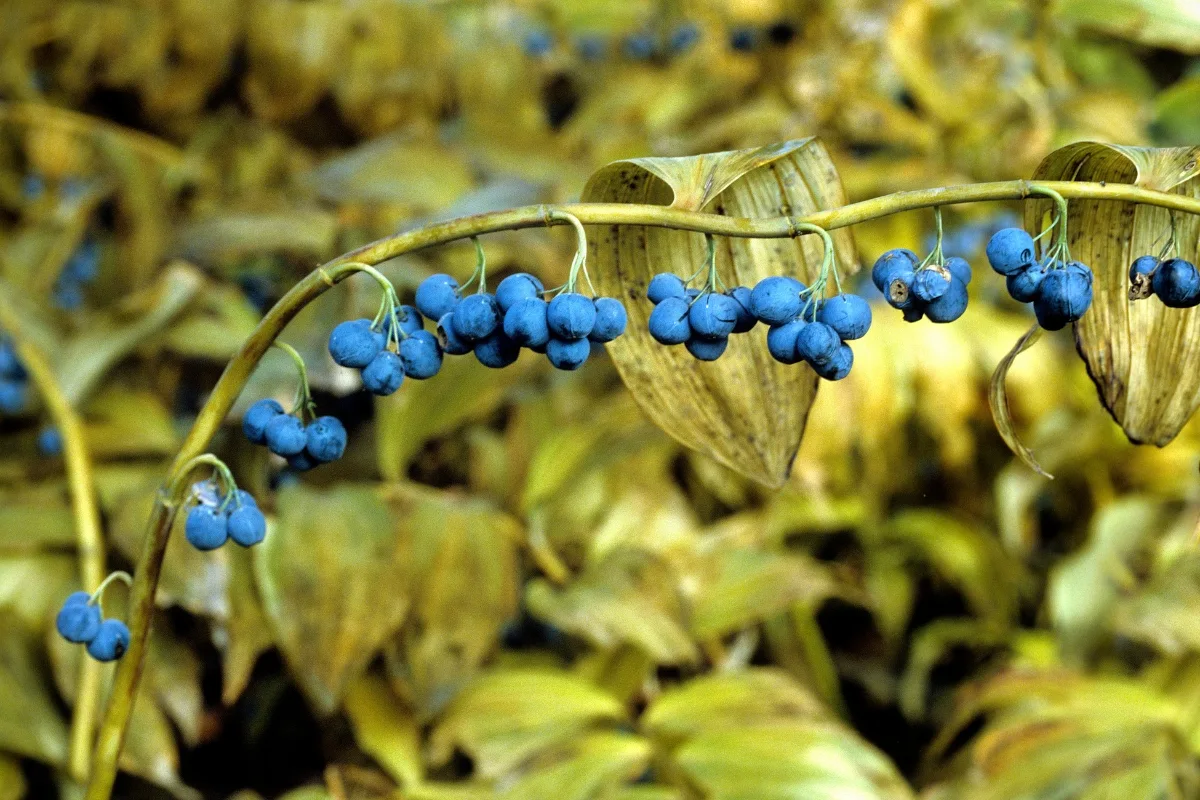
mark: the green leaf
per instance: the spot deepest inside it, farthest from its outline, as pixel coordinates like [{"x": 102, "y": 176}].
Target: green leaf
[
  {"x": 788, "y": 761},
  {"x": 385, "y": 729},
  {"x": 1173, "y": 24},
  {"x": 331, "y": 575},
  {"x": 630, "y": 596},
  {"x": 30, "y": 724},
  {"x": 505, "y": 717},
  {"x": 583, "y": 768},
  {"x": 751, "y": 585},
  {"x": 465, "y": 586},
  {"x": 746, "y": 410},
  {"x": 731, "y": 700}
]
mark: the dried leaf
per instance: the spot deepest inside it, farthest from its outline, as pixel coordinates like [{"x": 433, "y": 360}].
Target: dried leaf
[
  {"x": 998, "y": 401},
  {"x": 1143, "y": 357},
  {"x": 746, "y": 410}
]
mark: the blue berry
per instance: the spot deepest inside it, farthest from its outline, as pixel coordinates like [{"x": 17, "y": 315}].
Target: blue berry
[
  {"x": 1023, "y": 285},
  {"x": 538, "y": 43},
  {"x": 706, "y": 349},
  {"x": 568, "y": 354},
  {"x": 713, "y": 316},
  {"x": 776, "y": 300},
  {"x": 206, "y": 527},
  {"x": 591, "y": 47},
  {"x": 111, "y": 642},
  {"x": 284, "y": 435},
  {"x": 325, "y": 439},
  {"x": 1177, "y": 283},
  {"x": 669, "y": 322},
  {"x": 838, "y": 366},
  {"x": 12, "y": 396},
  {"x": 354, "y": 343},
  {"x": 743, "y": 39},
  {"x": 610, "y": 320},
  {"x": 50, "y": 441},
  {"x": 450, "y": 341},
  {"x": 244, "y": 498},
  {"x": 571, "y": 316},
  {"x": 1063, "y": 297},
  {"x": 930, "y": 284},
  {"x": 476, "y": 317},
  {"x": 664, "y": 285},
  {"x": 382, "y": 376},
  {"x": 437, "y": 296},
  {"x": 949, "y": 306},
  {"x": 78, "y": 620},
  {"x": 745, "y": 317},
  {"x": 639, "y": 46},
  {"x": 848, "y": 314},
  {"x": 781, "y": 341},
  {"x": 1011, "y": 250},
  {"x": 683, "y": 37},
  {"x": 889, "y": 266},
  {"x": 497, "y": 351},
  {"x": 899, "y": 292},
  {"x": 525, "y": 322},
  {"x": 254, "y": 422},
  {"x": 10, "y": 365},
  {"x": 420, "y": 355},
  {"x": 959, "y": 268},
  {"x": 1142, "y": 265},
  {"x": 514, "y": 288},
  {"x": 817, "y": 343},
  {"x": 247, "y": 526},
  {"x": 409, "y": 319}
]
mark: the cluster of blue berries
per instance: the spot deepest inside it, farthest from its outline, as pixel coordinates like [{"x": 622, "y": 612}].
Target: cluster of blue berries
[
  {"x": 496, "y": 326},
  {"x": 387, "y": 350},
  {"x": 14, "y": 381},
  {"x": 702, "y": 320},
  {"x": 803, "y": 326},
  {"x": 935, "y": 288},
  {"x": 645, "y": 45},
  {"x": 1175, "y": 281},
  {"x": 80, "y": 621},
  {"x": 304, "y": 446},
  {"x": 1059, "y": 288},
  {"x": 80, "y": 270},
  {"x": 217, "y": 519}
]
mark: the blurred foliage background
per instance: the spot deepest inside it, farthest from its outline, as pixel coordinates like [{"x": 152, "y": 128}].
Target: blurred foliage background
[{"x": 514, "y": 585}]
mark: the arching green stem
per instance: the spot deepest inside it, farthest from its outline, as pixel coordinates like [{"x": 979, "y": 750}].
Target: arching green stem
[
  {"x": 119, "y": 575},
  {"x": 238, "y": 370},
  {"x": 303, "y": 402}
]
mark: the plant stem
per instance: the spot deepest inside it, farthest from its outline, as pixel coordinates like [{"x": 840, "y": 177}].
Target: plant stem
[
  {"x": 236, "y": 373},
  {"x": 88, "y": 530}
]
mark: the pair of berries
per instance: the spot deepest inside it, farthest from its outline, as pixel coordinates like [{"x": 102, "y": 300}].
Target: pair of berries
[
  {"x": 1060, "y": 292},
  {"x": 818, "y": 334},
  {"x": 496, "y": 326},
  {"x": 936, "y": 291},
  {"x": 700, "y": 320},
  {"x": 212, "y": 522},
  {"x": 321, "y": 441},
  {"x": 14, "y": 382},
  {"x": 1175, "y": 281},
  {"x": 364, "y": 345},
  {"x": 80, "y": 621}
]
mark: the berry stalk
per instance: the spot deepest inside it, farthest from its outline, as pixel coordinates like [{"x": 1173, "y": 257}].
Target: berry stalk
[
  {"x": 89, "y": 533},
  {"x": 239, "y": 369}
]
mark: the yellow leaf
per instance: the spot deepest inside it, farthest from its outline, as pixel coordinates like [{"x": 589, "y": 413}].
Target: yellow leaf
[
  {"x": 1143, "y": 357},
  {"x": 746, "y": 410},
  {"x": 385, "y": 729}
]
